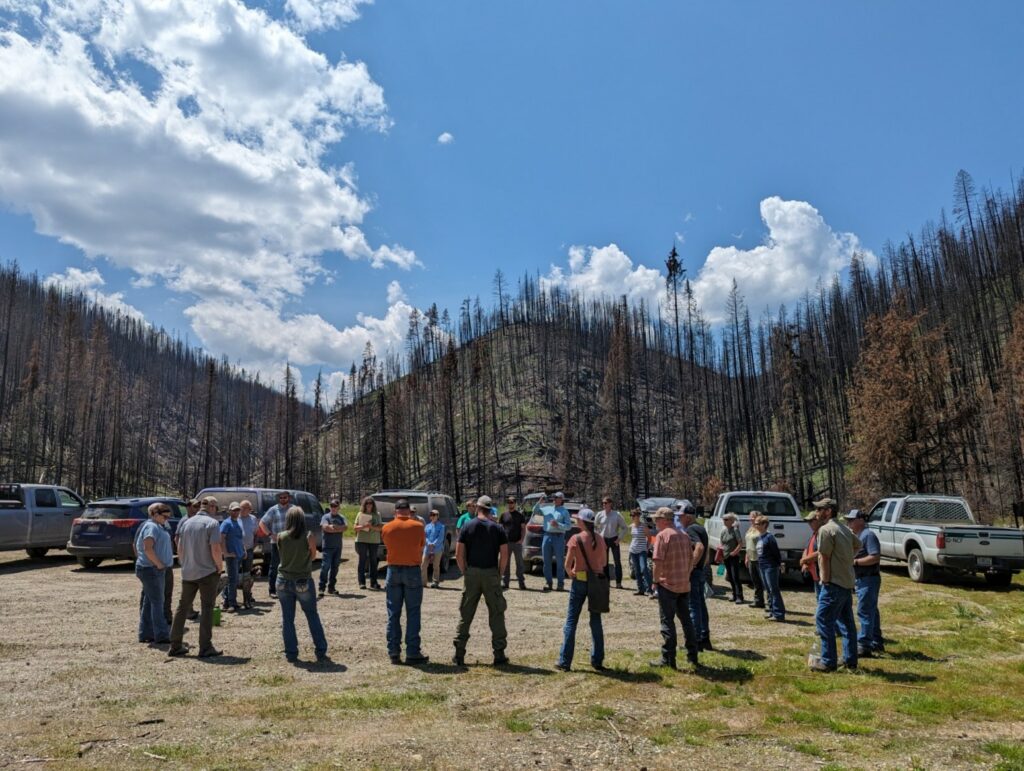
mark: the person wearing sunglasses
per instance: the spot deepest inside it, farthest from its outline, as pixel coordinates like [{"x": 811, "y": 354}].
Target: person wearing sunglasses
[{"x": 153, "y": 555}]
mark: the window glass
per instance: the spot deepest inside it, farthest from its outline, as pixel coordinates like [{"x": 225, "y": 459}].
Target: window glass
[
  {"x": 68, "y": 500},
  {"x": 110, "y": 511},
  {"x": 770, "y": 505},
  {"x": 890, "y": 511},
  {"x": 303, "y": 501},
  {"x": 46, "y": 499},
  {"x": 876, "y": 513}
]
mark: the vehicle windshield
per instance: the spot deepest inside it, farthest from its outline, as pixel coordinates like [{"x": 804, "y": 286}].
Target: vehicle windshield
[
  {"x": 936, "y": 511},
  {"x": 110, "y": 511},
  {"x": 226, "y": 498},
  {"x": 771, "y": 505}
]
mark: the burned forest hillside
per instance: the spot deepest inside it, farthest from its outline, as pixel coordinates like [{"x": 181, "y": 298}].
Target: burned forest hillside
[{"x": 904, "y": 375}]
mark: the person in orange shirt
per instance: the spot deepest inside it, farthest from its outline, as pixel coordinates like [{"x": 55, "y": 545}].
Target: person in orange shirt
[{"x": 404, "y": 539}]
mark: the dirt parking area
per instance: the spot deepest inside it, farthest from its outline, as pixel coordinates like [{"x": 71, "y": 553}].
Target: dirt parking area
[{"x": 81, "y": 692}]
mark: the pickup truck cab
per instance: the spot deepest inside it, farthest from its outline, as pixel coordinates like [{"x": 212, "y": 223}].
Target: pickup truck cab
[
  {"x": 37, "y": 518},
  {"x": 786, "y": 523},
  {"x": 931, "y": 532}
]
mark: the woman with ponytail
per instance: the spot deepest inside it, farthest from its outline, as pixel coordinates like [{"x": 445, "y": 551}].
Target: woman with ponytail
[{"x": 585, "y": 560}]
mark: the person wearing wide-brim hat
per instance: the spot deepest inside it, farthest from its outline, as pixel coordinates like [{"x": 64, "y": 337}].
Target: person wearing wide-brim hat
[{"x": 586, "y": 557}]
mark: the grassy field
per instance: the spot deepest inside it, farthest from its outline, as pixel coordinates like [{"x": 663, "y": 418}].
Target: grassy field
[{"x": 81, "y": 693}]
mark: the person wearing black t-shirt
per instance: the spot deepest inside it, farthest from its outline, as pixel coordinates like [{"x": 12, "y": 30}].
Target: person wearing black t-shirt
[
  {"x": 698, "y": 579},
  {"x": 482, "y": 555},
  {"x": 513, "y": 523}
]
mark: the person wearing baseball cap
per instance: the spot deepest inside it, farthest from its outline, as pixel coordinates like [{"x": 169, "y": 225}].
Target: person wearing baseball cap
[
  {"x": 404, "y": 539},
  {"x": 867, "y": 585},
  {"x": 837, "y": 546},
  {"x": 673, "y": 559},
  {"x": 585, "y": 560},
  {"x": 482, "y": 555},
  {"x": 557, "y": 523},
  {"x": 233, "y": 538}
]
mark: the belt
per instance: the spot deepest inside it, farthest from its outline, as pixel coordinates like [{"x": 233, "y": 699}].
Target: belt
[{"x": 553, "y": 533}]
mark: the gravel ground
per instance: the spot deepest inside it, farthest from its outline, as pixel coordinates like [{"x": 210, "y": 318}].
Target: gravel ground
[{"x": 81, "y": 692}]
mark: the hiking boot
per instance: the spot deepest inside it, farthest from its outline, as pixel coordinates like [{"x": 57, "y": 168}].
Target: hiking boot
[
  {"x": 563, "y": 667},
  {"x": 210, "y": 653},
  {"x": 547, "y": 588},
  {"x": 501, "y": 661},
  {"x": 459, "y": 660},
  {"x": 333, "y": 591},
  {"x": 177, "y": 650},
  {"x": 320, "y": 594},
  {"x": 396, "y": 659},
  {"x": 817, "y": 666},
  {"x": 413, "y": 660}
]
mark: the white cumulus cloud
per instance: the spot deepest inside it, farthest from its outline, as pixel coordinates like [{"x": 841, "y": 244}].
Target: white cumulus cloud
[
  {"x": 446, "y": 138},
  {"x": 799, "y": 249},
  {"x": 88, "y": 282},
  {"x": 606, "y": 271}
]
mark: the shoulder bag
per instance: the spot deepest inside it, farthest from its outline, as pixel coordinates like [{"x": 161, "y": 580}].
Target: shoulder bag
[{"x": 598, "y": 588}]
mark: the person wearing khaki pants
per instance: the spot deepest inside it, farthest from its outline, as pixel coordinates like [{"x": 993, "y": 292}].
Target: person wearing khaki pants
[
  {"x": 482, "y": 554},
  {"x": 433, "y": 551}
]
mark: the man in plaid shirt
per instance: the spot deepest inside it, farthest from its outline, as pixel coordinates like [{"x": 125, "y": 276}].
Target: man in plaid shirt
[
  {"x": 271, "y": 524},
  {"x": 673, "y": 556}
]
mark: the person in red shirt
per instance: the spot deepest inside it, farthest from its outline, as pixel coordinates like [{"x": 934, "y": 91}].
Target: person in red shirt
[
  {"x": 673, "y": 556},
  {"x": 404, "y": 539}
]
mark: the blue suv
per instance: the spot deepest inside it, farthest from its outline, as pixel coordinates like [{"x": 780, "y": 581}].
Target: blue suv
[{"x": 106, "y": 529}]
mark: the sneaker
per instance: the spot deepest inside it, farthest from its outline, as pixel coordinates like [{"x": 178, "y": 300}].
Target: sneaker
[
  {"x": 640, "y": 593},
  {"x": 435, "y": 585},
  {"x": 850, "y": 666},
  {"x": 739, "y": 602},
  {"x": 209, "y": 653},
  {"x": 816, "y": 666},
  {"x": 563, "y": 667},
  {"x": 273, "y": 595},
  {"x": 413, "y": 660},
  {"x": 865, "y": 653},
  {"x": 179, "y": 650},
  {"x": 618, "y": 585},
  {"x": 501, "y": 661},
  {"x": 547, "y": 588},
  {"x": 363, "y": 587},
  {"x": 193, "y": 615}
]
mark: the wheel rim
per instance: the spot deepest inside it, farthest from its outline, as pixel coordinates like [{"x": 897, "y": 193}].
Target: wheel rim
[{"x": 915, "y": 566}]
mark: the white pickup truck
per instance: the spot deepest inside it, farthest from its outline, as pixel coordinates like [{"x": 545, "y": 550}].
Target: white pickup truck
[
  {"x": 937, "y": 531},
  {"x": 37, "y": 518},
  {"x": 787, "y": 525}
]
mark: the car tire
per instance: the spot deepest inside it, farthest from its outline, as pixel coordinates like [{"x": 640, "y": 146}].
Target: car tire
[
  {"x": 37, "y": 552},
  {"x": 920, "y": 572},
  {"x": 999, "y": 580},
  {"x": 89, "y": 563}
]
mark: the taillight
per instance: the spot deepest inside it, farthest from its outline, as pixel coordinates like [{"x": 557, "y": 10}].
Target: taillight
[
  {"x": 535, "y": 528},
  {"x": 940, "y": 540},
  {"x": 123, "y": 522}
]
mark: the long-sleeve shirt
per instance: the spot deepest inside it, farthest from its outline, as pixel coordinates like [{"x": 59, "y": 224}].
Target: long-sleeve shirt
[
  {"x": 768, "y": 550},
  {"x": 434, "y": 532},
  {"x": 610, "y": 525},
  {"x": 556, "y": 518},
  {"x": 597, "y": 554}
]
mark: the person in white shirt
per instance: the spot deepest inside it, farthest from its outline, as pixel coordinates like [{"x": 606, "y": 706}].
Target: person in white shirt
[{"x": 612, "y": 528}]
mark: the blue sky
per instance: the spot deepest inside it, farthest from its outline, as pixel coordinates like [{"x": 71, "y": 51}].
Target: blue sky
[{"x": 768, "y": 141}]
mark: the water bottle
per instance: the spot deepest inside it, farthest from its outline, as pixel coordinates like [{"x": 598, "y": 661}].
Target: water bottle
[{"x": 216, "y": 615}]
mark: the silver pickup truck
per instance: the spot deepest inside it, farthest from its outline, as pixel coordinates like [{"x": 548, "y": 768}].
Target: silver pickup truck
[
  {"x": 931, "y": 532},
  {"x": 37, "y": 518}
]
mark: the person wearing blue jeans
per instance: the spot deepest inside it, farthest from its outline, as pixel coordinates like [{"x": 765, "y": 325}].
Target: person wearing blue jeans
[
  {"x": 837, "y": 545},
  {"x": 867, "y": 585},
  {"x": 233, "y": 539},
  {"x": 638, "y": 562},
  {"x": 153, "y": 555},
  {"x": 403, "y": 588},
  {"x": 301, "y": 591},
  {"x": 587, "y": 555},
  {"x": 698, "y": 577},
  {"x": 769, "y": 559},
  {"x": 332, "y": 526},
  {"x": 552, "y": 547}
]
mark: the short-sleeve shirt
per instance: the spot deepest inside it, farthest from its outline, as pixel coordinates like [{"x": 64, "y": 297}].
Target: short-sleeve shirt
[
  {"x": 596, "y": 553},
  {"x": 234, "y": 537},
  {"x": 195, "y": 536},
  {"x": 673, "y": 556},
  {"x": 750, "y": 539},
  {"x": 332, "y": 540},
  {"x": 464, "y": 520},
  {"x": 698, "y": 533},
  {"x": 368, "y": 536},
  {"x": 483, "y": 540},
  {"x": 161, "y": 544},
  {"x": 274, "y": 519},
  {"x": 869, "y": 547},
  {"x": 404, "y": 539},
  {"x": 248, "y": 523},
  {"x": 512, "y": 521},
  {"x": 837, "y": 541}
]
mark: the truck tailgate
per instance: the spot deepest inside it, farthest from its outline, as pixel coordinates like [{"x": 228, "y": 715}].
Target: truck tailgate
[{"x": 985, "y": 543}]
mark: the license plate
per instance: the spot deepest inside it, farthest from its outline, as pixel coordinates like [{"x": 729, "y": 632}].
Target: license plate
[
  {"x": 985, "y": 561},
  {"x": 93, "y": 528}
]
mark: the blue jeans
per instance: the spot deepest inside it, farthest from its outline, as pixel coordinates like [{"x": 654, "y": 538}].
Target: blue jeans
[
  {"x": 329, "y": 563},
  {"x": 552, "y": 547},
  {"x": 288, "y": 592},
  {"x": 770, "y": 578},
  {"x": 577, "y": 599},
  {"x": 642, "y": 571},
  {"x": 404, "y": 586},
  {"x": 275, "y": 560},
  {"x": 870, "y": 636},
  {"x": 152, "y": 621},
  {"x": 835, "y": 612},
  {"x": 231, "y": 569},
  {"x": 699, "y": 605}
]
